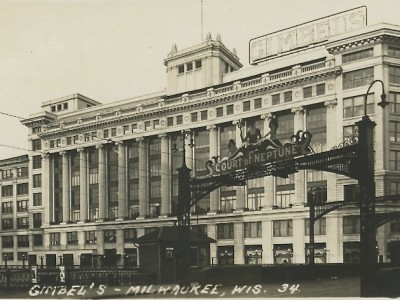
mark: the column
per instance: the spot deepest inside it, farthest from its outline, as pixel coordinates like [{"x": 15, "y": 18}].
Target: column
[
  {"x": 122, "y": 177},
  {"x": 212, "y": 233},
  {"x": 331, "y": 134},
  {"x": 46, "y": 192},
  {"x": 298, "y": 241},
  {"x": 238, "y": 249},
  {"x": 65, "y": 186},
  {"x": 240, "y": 190},
  {"x": 334, "y": 238},
  {"x": 189, "y": 154},
  {"x": 102, "y": 182},
  {"x": 165, "y": 176},
  {"x": 267, "y": 245},
  {"x": 269, "y": 181},
  {"x": 300, "y": 176},
  {"x": 143, "y": 179},
  {"x": 83, "y": 187},
  {"x": 214, "y": 195}
]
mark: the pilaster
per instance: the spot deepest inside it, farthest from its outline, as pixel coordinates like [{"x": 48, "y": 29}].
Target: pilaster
[
  {"x": 143, "y": 179},
  {"x": 46, "y": 199},
  {"x": 269, "y": 181},
  {"x": 331, "y": 133},
  {"x": 83, "y": 188},
  {"x": 165, "y": 176},
  {"x": 214, "y": 195},
  {"x": 122, "y": 178},
  {"x": 240, "y": 190},
  {"x": 65, "y": 186},
  {"x": 102, "y": 182},
  {"x": 300, "y": 176}
]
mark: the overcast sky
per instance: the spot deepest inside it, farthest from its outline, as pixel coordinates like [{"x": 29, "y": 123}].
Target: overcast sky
[{"x": 113, "y": 50}]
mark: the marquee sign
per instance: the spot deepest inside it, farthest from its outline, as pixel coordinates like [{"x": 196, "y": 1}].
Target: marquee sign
[
  {"x": 305, "y": 35},
  {"x": 263, "y": 152}
]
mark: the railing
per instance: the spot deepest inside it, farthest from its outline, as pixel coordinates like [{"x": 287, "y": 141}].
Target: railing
[{"x": 280, "y": 75}]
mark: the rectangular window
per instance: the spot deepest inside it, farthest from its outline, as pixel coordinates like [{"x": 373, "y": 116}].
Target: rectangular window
[
  {"x": 7, "y": 241},
  {"x": 37, "y": 162},
  {"x": 87, "y": 137},
  {"x": 54, "y": 238},
  {"x": 126, "y": 129},
  {"x": 307, "y": 92},
  {"x": 22, "y": 172},
  {"x": 36, "y": 145},
  {"x": 225, "y": 231},
  {"x": 129, "y": 235},
  {"x": 22, "y": 222},
  {"x": 90, "y": 237},
  {"x": 198, "y": 63},
  {"x": 354, "y": 106},
  {"x": 203, "y": 115},
  {"x": 69, "y": 140},
  {"x": 394, "y": 99},
  {"x": 287, "y": 96},
  {"x": 7, "y": 224},
  {"x": 257, "y": 103},
  {"x": 189, "y": 66},
  {"x": 65, "y": 105},
  {"x": 246, "y": 105},
  {"x": 109, "y": 236},
  {"x": 394, "y": 52},
  {"x": 22, "y": 205},
  {"x": 72, "y": 238},
  {"x": 7, "y": 191},
  {"x": 37, "y": 240},
  {"x": 319, "y": 227},
  {"x": 321, "y": 89},
  {"x": 351, "y": 224},
  {"x": 93, "y": 176},
  {"x": 52, "y": 143},
  {"x": 229, "y": 109},
  {"x": 276, "y": 99},
  {"x": 170, "y": 121},
  {"x": 394, "y": 74},
  {"x": 394, "y": 160},
  {"x": 37, "y": 180},
  {"x": 351, "y": 192},
  {"x": 22, "y": 240},
  {"x": 75, "y": 138},
  {"x": 6, "y": 207},
  {"x": 37, "y": 220},
  {"x": 349, "y": 132},
  {"x": 179, "y": 120},
  {"x": 6, "y": 174},
  {"x": 193, "y": 117},
  {"x": 114, "y": 131},
  {"x": 36, "y": 129},
  {"x": 358, "y": 55},
  {"x": 358, "y": 78},
  {"x": 252, "y": 230},
  {"x": 283, "y": 228},
  {"x": 395, "y": 226},
  {"x": 22, "y": 189},
  {"x": 220, "y": 112},
  {"x": 395, "y": 188},
  {"x": 106, "y": 133},
  {"x": 181, "y": 69},
  {"x": 394, "y": 131}
]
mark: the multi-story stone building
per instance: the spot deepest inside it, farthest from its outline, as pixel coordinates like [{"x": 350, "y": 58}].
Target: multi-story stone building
[{"x": 102, "y": 174}]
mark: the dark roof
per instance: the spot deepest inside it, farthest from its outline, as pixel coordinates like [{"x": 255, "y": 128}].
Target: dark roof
[{"x": 170, "y": 233}]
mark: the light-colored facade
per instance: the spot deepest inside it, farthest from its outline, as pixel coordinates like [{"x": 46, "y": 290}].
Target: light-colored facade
[{"x": 107, "y": 173}]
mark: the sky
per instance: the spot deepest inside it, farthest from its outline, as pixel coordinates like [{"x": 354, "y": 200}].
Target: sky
[{"x": 110, "y": 50}]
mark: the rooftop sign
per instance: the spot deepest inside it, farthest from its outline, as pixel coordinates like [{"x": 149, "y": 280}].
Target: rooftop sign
[{"x": 308, "y": 34}]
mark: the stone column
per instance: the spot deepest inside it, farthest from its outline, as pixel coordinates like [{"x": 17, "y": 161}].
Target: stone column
[
  {"x": 122, "y": 177},
  {"x": 298, "y": 241},
  {"x": 267, "y": 245},
  {"x": 47, "y": 199},
  {"x": 102, "y": 182},
  {"x": 143, "y": 179},
  {"x": 65, "y": 186},
  {"x": 331, "y": 140},
  {"x": 300, "y": 176},
  {"x": 189, "y": 154},
  {"x": 214, "y": 195},
  {"x": 83, "y": 187},
  {"x": 269, "y": 182},
  {"x": 241, "y": 192},
  {"x": 238, "y": 249},
  {"x": 165, "y": 176},
  {"x": 334, "y": 238}
]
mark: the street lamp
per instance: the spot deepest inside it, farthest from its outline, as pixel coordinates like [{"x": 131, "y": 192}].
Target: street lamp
[
  {"x": 60, "y": 257},
  {"x": 23, "y": 261},
  {"x": 365, "y": 173}
]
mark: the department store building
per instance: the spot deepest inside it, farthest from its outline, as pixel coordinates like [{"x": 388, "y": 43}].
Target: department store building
[{"x": 103, "y": 174}]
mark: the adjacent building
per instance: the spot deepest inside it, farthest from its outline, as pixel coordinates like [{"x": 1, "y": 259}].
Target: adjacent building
[{"x": 103, "y": 174}]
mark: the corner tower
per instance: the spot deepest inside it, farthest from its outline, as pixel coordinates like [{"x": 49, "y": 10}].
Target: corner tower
[{"x": 200, "y": 66}]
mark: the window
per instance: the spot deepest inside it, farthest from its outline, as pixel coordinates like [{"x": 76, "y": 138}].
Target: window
[
  {"x": 354, "y": 106},
  {"x": 276, "y": 99},
  {"x": 36, "y": 145},
  {"x": 72, "y": 238},
  {"x": 69, "y": 140},
  {"x": 307, "y": 92},
  {"x": 22, "y": 222},
  {"x": 75, "y": 138},
  {"x": 394, "y": 74},
  {"x": 321, "y": 89},
  {"x": 114, "y": 131},
  {"x": 147, "y": 125},
  {"x": 349, "y": 132},
  {"x": 22, "y": 189},
  {"x": 37, "y": 162},
  {"x": 319, "y": 227},
  {"x": 246, "y": 105},
  {"x": 53, "y": 108},
  {"x": 90, "y": 237},
  {"x": 36, "y": 129},
  {"x": 170, "y": 121},
  {"x": 394, "y": 160},
  {"x": 22, "y": 240},
  {"x": 257, "y": 103},
  {"x": 37, "y": 240},
  {"x": 37, "y": 220},
  {"x": 394, "y": 99},
  {"x": 37, "y": 199},
  {"x": 59, "y": 107},
  {"x": 181, "y": 69},
  {"x": 37, "y": 180},
  {"x": 358, "y": 55},
  {"x": 358, "y": 78},
  {"x": 58, "y": 142},
  {"x": 351, "y": 224},
  {"x": 22, "y": 172},
  {"x": 129, "y": 235},
  {"x": 7, "y": 191},
  {"x": 394, "y": 131},
  {"x": 351, "y": 192},
  {"x": 52, "y": 144},
  {"x": 283, "y": 228},
  {"x": 54, "y": 238},
  {"x": 252, "y": 230},
  {"x": 6, "y": 174},
  {"x": 395, "y": 188},
  {"x": 7, "y": 208},
  {"x": 7, "y": 224},
  {"x": 109, "y": 236},
  {"x": 287, "y": 96},
  {"x": 189, "y": 66},
  {"x": 179, "y": 120},
  {"x": 220, "y": 112},
  {"x": 106, "y": 133},
  {"x": 197, "y": 64},
  {"x": 203, "y": 115},
  {"x": 193, "y": 117},
  {"x": 228, "y": 203},
  {"x": 7, "y": 241},
  {"x": 225, "y": 231},
  {"x": 65, "y": 105},
  {"x": 229, "y": 109},
  {"x": 22, "y": 205},
  {"x": 284, "y": 199}
]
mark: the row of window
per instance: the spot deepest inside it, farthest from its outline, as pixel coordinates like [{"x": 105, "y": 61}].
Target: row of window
[
  {"x": 10, "y": 173},
  {"x": 7, "y": 190},
  {"x": 308, "y": 92},
  {"x": 189, "y": 66},
  {"x": 59, "y": 107},
  {"x": 7, "y": 207}
]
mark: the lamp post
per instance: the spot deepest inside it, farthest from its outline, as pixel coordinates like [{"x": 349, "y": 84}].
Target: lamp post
[
  {"x": 365, "y": 170},
  {"x": 60, "y": 257},
  {"x": 23, "y": 261},
  {"x": 5, "y": 261},
  {"x": 41, "y": 261}
]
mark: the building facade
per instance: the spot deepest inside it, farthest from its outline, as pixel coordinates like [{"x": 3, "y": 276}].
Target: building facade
[{"x": 103, "y": 174}]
